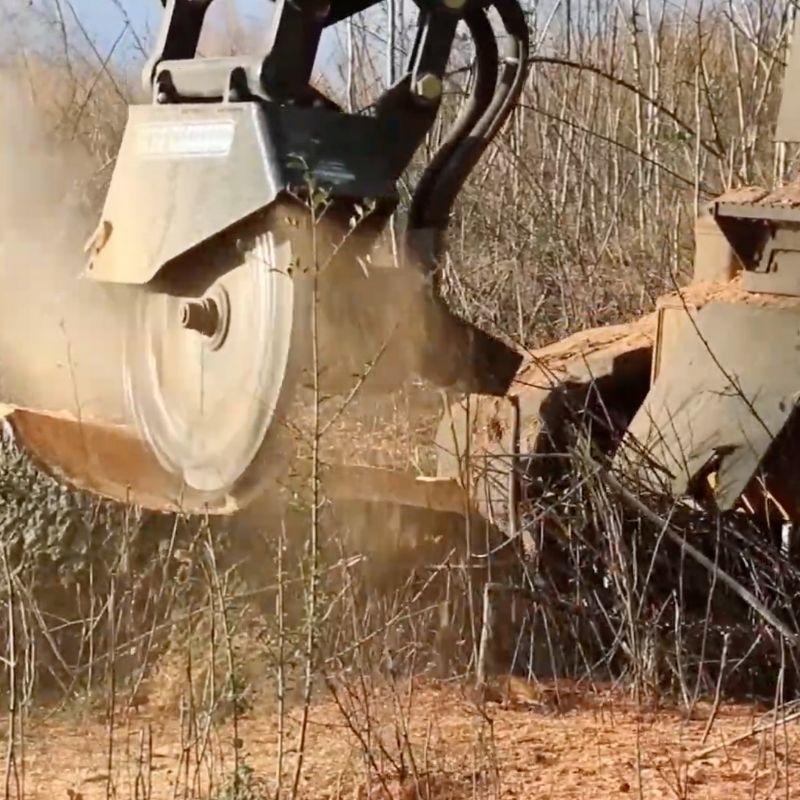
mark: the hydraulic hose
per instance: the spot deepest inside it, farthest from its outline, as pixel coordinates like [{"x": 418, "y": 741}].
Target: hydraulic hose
[
  {"x": 486, "y": 71},
  {"x": 434, "y": 207}
]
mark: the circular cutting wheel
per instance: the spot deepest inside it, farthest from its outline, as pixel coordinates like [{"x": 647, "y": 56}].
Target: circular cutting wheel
[{"x": 206, "y": 373}]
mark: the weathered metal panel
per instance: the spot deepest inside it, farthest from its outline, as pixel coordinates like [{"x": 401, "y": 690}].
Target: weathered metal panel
[
  {"x": 673, "y": 317},
  {"x": 188, "y": 172},
  {"x": 788, "y": 127},
  {"x": 725, "y": 394},
  {"x": 714, "y": 259},
  {"x": 184, "y": 173}
]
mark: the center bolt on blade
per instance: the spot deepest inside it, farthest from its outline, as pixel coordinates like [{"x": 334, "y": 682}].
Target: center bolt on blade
[
  {"x": 201, "y": 316},
  {"x": 210, "y": 317}
]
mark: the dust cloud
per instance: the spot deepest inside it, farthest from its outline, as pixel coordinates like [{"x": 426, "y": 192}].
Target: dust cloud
[{"x": 60, "y": 335}]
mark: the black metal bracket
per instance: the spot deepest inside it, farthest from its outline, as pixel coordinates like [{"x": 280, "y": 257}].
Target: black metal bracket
[
  {"x": 282, "y": 71},
  {"x": 179, "y": 35},
  {"x": 292, "y": 46}
]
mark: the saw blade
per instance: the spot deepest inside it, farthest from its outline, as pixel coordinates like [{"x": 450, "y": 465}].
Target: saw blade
[{"x": 208, "y": 375}]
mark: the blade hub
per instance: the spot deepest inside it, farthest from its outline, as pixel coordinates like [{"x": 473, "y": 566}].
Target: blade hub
[
  {"x": 208, "y": 373},
  {"x": 209, "y": 316}
]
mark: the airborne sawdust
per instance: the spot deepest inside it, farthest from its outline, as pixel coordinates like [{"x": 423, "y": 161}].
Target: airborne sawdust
[{"x": 60, "y": 337}]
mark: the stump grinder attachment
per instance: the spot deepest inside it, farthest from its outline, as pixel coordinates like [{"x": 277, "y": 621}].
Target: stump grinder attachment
[{"x": 241, "y": 239}]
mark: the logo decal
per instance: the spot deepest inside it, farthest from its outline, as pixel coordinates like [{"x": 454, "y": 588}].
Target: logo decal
[{"x": 185, "y": 139}]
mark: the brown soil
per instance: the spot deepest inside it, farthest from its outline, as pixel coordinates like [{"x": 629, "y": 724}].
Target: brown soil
[
  {"x": 530, "y": 745},
  {"x": 555, "y": 358},
  {"x": 641, "y": 332}
]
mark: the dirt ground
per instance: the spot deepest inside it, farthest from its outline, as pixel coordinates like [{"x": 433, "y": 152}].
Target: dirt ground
[{"x": 599, "y": 748}]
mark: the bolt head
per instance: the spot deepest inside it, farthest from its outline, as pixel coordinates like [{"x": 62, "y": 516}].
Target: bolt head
[
  {"x": 428, "y": 87},
  {"x": 99, "y": 238},
  {"x": 454, "y": 5}
]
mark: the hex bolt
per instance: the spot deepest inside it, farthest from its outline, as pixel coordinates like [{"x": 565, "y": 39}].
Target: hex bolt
[
  {"x": 201, "y": 316},
  {"x": 322, "y": 10},
  {"x": 162, "y": 91},
  {"x": 428, "y": 87}
]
